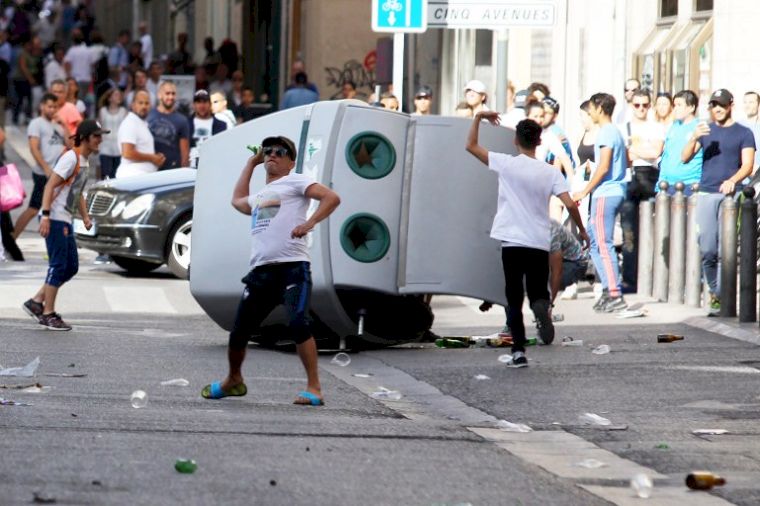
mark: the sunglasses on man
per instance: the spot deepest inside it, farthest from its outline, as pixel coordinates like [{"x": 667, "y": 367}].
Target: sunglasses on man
[
  {"x": 639, "y": 105},
  {"x": 279, "y": 151}
]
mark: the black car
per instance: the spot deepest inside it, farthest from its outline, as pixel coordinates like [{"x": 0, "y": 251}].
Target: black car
[{"x": 142, "y": 222}]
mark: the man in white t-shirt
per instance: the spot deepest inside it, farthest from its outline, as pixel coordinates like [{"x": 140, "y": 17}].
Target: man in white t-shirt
[
  {"x": 78, "y": 62},
  {"x": 645, "y": 139},
  {"x": 147, "y": 44},
  {"x": 280, "y": 270},
  {"x": 522, "y": 225},
  {"x": 61, "y": 199},
  {"x": 203, "y": 124},
  {"x": 138, "y": 153},
  {"x": 47, "y": 141}
]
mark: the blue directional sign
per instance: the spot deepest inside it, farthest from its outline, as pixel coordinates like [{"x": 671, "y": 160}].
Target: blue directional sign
[{"x": 399, "y": 15}]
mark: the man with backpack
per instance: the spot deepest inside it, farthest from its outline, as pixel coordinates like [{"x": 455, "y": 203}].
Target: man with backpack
[{"x": 61, "y": 199}]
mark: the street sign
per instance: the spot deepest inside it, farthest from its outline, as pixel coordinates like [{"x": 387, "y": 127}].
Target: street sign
[
  {"x": 399, "y": 16},
  {"x": 491, "y": 15}
]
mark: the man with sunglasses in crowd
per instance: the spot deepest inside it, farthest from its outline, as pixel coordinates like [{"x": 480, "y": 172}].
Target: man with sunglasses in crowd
[
  {"x": 423, "y": 101},
  {"x": 645, "y": 139},
  {"x": 624, "y": 110},
  {"x": 728, "y": 151},
  {"x": 280, "y": 269}
]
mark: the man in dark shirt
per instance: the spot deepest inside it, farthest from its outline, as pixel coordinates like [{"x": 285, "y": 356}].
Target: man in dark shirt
[
  {"x": 728, "y": 154},
  {"x": 170, "y": 129}
]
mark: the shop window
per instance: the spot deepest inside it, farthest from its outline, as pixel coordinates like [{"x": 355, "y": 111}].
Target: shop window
[{"x": 669, "y": 8}]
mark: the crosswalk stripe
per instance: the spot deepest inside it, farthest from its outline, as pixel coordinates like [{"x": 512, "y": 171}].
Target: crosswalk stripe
[{"x": 138, "y": 300}]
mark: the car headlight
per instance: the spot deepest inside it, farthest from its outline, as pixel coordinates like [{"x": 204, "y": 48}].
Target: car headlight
[
  {"x": 118, "y": 208},
  {"x": 138, "y": 206}
]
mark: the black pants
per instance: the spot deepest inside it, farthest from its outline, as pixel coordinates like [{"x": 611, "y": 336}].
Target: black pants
[
  {"x": 9, "y": 243},
  {"x": 528, "y": 267},
  {"x": 23, "y": 92}
]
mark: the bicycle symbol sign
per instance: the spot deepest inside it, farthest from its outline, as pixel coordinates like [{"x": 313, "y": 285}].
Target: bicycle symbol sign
[{"x": 399, "y": 15}]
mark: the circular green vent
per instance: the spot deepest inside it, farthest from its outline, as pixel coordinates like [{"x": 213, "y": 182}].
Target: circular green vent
[
  {"x": 370, "y": 155},
  {"x": 365, "y": 238}
]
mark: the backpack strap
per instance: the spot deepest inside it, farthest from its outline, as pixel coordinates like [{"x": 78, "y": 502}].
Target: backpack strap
[{"x": 74, "y": 174}]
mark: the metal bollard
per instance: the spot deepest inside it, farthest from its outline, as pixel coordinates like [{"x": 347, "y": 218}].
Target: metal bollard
[
  {"x": 677, "y": 261},
  {"x": 748, "y": 260},
  {"x": 693, "y": 256},
  {"x": 728, "y": 258},
  {"x": 646, "y": 247},
  {"x": 661, "y": 243}
]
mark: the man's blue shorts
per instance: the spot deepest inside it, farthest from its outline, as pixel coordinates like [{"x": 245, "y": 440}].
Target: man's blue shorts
[
  {"x": 63, "y": 261},
  {"x": 268, "y": 286}
]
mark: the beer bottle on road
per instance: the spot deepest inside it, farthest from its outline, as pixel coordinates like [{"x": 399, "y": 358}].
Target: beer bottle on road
[
  {"x": 668, "y": 338},
  {"x": 703, "y": 480}
]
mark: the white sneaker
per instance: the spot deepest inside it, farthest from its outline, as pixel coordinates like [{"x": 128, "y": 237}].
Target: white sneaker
[{"x": 570, "y": 293}]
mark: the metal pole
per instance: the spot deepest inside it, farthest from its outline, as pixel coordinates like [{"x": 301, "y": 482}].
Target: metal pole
[
  {"x": 677, "y": 245},
  {"x": 661, "y": 243},
  {"x": 398, "y": 67},
  {"x": 728, "y": 258},
  {"x": 646, "y": 247},
  {"x": 748, "y": 268},
  {"x": 693, "y": 256},
  {"x": 502, "y": 45}
]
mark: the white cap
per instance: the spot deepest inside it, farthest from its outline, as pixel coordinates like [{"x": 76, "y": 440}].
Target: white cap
[{"x": 476, "y": 86}]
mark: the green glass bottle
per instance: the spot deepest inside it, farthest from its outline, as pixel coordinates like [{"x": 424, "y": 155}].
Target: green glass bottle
[
  {"x": 185, "y": 466},
  {"x": 253, "y": 148},
  {"x": 451, "y": 343}
]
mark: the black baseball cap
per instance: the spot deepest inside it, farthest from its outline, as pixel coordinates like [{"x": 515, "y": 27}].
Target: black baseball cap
[
  {"x": 424, "y": 91},
  {"x": 89, "y": 127},
  {"x": 201, "y": 96},
  {"x": 280, "y": 140},
  {"x": 722, "y": 97}
]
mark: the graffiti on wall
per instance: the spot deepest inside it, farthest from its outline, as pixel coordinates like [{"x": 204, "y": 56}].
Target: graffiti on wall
[{"x": 362, "y": 74}]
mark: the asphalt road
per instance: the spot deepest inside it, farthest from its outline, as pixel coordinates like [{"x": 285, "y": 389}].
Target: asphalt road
[{"x": 81, "y": 441}]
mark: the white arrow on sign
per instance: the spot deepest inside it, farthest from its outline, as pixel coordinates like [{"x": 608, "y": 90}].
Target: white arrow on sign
[{"x": 392, "y": 18}]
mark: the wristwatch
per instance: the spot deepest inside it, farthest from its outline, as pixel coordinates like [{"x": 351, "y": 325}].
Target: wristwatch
[{"x": 46, "y": 212}]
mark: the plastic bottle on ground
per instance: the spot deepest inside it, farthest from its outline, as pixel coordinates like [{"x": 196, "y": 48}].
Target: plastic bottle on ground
[
  {"x": 139, "y": 399},
  {"x": 642, "y": 485}
]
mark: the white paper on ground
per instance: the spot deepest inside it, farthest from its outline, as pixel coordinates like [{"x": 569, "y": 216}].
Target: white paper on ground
[{"x": 27, "y": 371}]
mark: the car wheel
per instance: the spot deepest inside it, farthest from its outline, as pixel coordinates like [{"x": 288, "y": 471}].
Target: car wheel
[
  {"x": 178, "y": 254},
  {"x": 134, "y": 266}
]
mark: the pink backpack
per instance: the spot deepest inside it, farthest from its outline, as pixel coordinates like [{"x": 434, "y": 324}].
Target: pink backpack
[{"x": 12, "y": 192}]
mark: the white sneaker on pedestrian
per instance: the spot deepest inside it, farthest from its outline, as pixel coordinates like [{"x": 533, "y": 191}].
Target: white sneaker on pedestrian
[{"x": 570, "y": 293}]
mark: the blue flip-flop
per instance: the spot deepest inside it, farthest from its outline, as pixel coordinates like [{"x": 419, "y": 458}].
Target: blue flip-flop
[
  {"x": 313, "y": 399},
  {"x": 214, "y": 391}
]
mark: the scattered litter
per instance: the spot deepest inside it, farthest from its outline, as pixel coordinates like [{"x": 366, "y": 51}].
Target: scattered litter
[
  {"x": 590, "y": 464},
  {"x": 512, "y": 427},
  {"x": 602, "y": 349},
  {"x": 27, "y": 371},
  {"x": 36, "y": 389},
  {"x": 97, "y": 483},
  {"x": 341, "y": 359},
  {"x": 64, "y": 375},
  {"x": 704, "y": 480},
  {"x": 558, "y": 317},
  {"x": 72, "y": 365},
  {"x": 709, "y": 432},
  {"x": 139, "y": 399},
  {"x": 384, "y": 394},
  {"x": 273, "y": 483},
  {"x": 177, "y": 382},
  {"x": 505, "y": 359},
  {"x": 482, "y": 377},
  {"x": 185, "y": 466},
  {"x": 20, "y": 387},
  {"x": 642, "y": 485},
  {"x": 8, "y": 402},
  {"x": 74, "y": 415},
  {"x": 40, "y": 498},
  {"x": 630, "y": 313},
  {"x": 668, "y": 338},
  {"x": 593, "y": 419},
  {"x": 663, "y": 446},
  {"x": 571, "y": 341},
  {"x": 362, "y": 375},
  {"x": 446, "y": 342}
]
